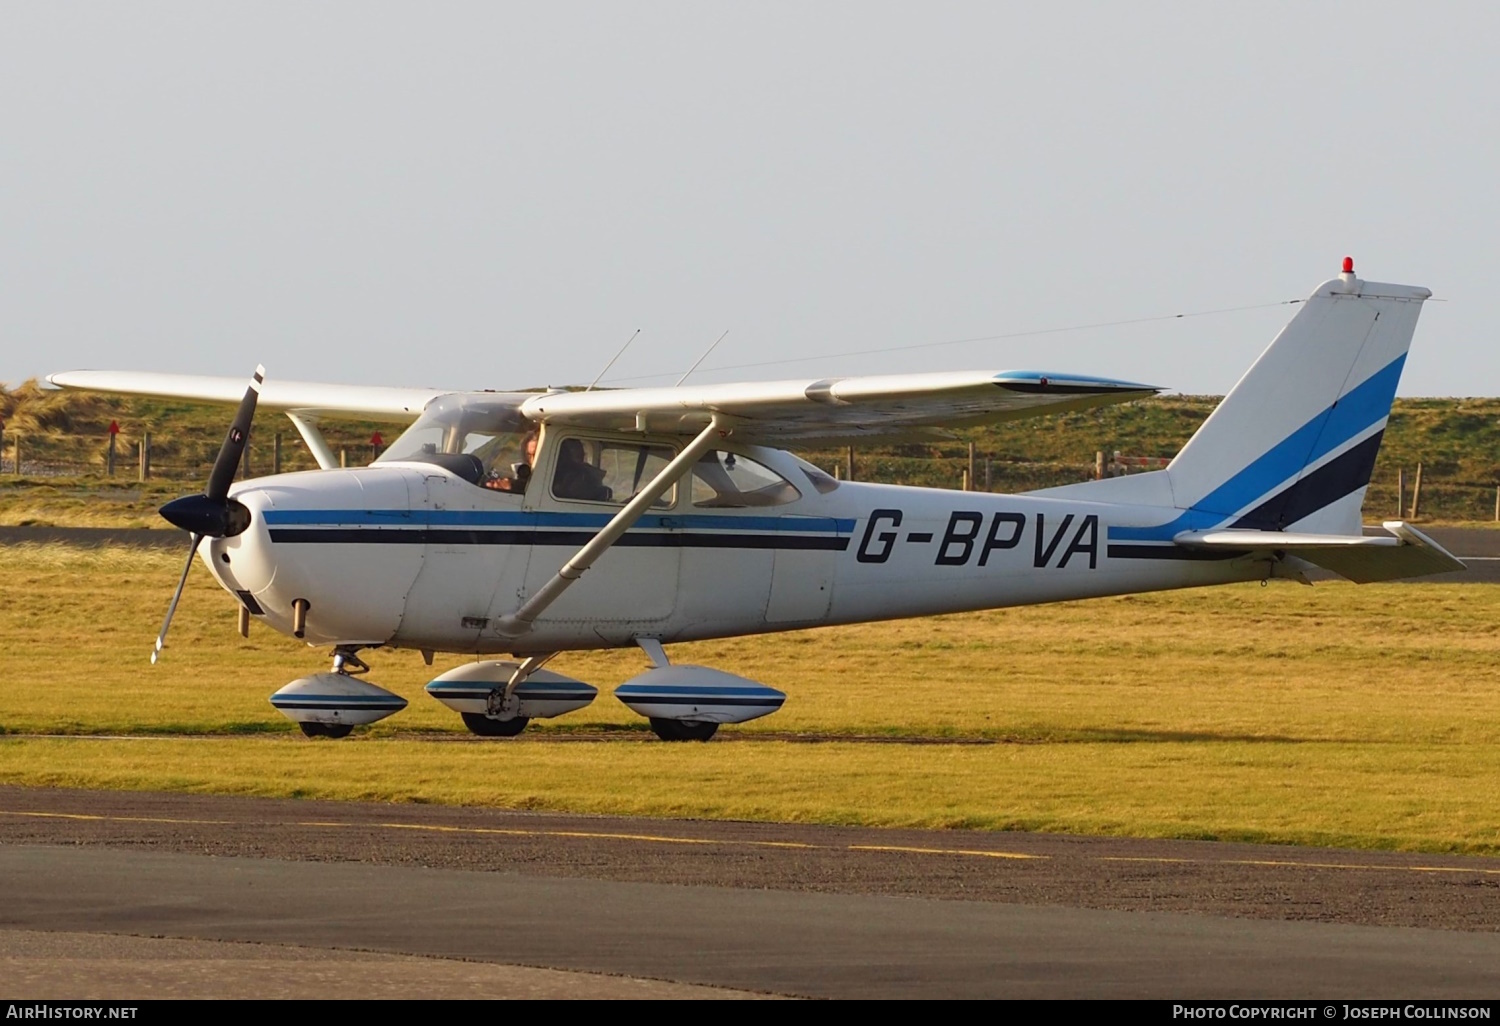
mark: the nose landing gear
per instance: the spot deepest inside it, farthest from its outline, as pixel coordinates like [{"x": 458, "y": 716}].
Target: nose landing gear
[
  {"x": 333, "y": 704},
  {"x": 325, "y": 729}
]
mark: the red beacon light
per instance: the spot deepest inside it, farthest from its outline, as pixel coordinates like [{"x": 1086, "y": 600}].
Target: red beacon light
[{"x": 1348, "y": 265}]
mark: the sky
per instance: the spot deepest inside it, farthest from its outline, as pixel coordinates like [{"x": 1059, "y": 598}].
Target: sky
[{"x": 498, "y": 195}]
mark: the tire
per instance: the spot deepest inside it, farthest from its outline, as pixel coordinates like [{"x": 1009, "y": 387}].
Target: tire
[
  {"x": 482, "y": 725},
  {"x": 682, "y": 730},
  {"x": 334, "y": 730}
]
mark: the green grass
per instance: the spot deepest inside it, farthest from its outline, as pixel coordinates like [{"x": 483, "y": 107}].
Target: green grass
[{"x": 1361, "y": 716}]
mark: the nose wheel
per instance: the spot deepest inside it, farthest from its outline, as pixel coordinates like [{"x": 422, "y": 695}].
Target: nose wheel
[
  {"x": 332, "y": 704},
  {"x": 325, "y": 729}
]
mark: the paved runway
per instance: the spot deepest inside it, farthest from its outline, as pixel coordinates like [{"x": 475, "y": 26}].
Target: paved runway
[{"x": 797, "y": 911}]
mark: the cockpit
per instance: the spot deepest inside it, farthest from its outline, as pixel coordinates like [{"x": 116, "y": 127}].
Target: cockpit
[{"x": 481, "y": 437}]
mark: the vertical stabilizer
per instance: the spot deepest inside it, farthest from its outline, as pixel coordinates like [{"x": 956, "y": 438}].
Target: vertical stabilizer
[{"x": 1293, "y": 444}]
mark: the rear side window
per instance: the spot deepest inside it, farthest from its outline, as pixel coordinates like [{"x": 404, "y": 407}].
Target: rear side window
[
  {"x": 589, "y": 470},
  {"x": 727, "y": 480}
]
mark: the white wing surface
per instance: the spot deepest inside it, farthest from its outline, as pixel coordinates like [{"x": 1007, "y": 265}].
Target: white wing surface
[
  {"x": 831, "y": 409},
  {"x": 340, "y": 401}
]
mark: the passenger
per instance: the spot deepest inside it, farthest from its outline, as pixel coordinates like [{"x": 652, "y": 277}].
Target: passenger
[
  {"x": 576, "y": 478},
  {"x": 520, "y": 472}
]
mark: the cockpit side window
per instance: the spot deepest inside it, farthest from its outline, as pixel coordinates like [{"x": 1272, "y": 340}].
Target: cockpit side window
[
  {"x": 727, "y": 480},
  {"x": 591, "y": 470}
]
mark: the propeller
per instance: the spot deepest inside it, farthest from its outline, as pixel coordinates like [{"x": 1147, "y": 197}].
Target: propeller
[{"x": 213, "y": 514}]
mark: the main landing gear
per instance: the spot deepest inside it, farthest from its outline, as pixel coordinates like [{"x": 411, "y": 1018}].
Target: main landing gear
[
  {"x": 682, "y": 730},
  {"x": 506, "y": 706},
  {"x": 484, "y": 726}
]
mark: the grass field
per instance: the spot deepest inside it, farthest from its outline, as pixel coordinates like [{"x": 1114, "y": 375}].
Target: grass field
[{"x": 1366, "y": 717}]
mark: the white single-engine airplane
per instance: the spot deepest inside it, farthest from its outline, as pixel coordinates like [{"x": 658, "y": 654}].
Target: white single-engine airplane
[{"x": 692, "y": 524}]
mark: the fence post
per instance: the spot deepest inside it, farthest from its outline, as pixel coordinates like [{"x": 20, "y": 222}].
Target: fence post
[
  {"x": 145, "y": 455},
  {"x": 109, "y": 457},
  {"x": 1099, "y": 465},
  {"x": 987, "y": 486},
  {"x": 837, "y": 471},
  {"x": 964, "y": 485},
  {"x": 276, "y": 453},
  {"x": 1416, "y": 491},
  {"x": 969, "y": 479},
  {"x": 343, "y": 457},
  {"x": 851, "y": 463},
  {"x": 1400, "y": 491},
  {"x": 1497, "y": 503}
]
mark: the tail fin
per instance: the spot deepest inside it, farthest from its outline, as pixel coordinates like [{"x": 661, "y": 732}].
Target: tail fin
[{"x": 1293, "y": 444}]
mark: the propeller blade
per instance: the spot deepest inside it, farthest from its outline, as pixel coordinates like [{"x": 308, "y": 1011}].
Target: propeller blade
[
  {"x": 161, "y": 638},
  {"x": 234, "y": 443}
]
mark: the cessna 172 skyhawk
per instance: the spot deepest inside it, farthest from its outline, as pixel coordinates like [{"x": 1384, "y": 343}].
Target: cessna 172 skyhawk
[{"x": 692, "y": 522}]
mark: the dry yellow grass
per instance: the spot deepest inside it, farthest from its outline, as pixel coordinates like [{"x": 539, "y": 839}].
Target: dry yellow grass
[{"x": 1364, "y": 716}]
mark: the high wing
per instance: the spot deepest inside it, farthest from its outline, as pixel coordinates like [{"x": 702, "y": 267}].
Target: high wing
[
  {"x": 1404, "y": 552},
  {"x": 337, "y": 401},
  {"x": 773, "y": 412},
  {"x": 834, "y": 409}
]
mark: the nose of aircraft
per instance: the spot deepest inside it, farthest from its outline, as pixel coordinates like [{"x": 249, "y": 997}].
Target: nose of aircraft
[
  {"x": 319, "y": 537},
  {"x": 244, "y": 561}
]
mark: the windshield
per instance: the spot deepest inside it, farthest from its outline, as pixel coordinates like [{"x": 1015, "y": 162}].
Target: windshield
[{"x": 486, "y": 427}]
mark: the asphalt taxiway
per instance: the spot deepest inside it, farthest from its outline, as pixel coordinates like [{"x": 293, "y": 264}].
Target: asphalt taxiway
[{"x": 462, "y": 900}]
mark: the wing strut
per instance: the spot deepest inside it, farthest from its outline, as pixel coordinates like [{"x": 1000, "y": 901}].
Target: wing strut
[
  {"x": 520, "y": 621},
  {"x": 307, "y": 426}
]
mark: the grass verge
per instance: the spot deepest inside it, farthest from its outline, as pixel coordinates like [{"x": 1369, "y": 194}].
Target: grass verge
[{"x": 1366, "y": 717}]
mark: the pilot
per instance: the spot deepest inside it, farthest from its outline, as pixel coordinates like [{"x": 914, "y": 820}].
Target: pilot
[
  {"x": 520, "y": 472},
  {"x": 576, "y": 478}
]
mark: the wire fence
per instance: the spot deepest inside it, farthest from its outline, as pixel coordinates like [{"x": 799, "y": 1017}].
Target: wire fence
[
  {"x": 176, "y": 459},
  {"x": 188, "y": 458}
]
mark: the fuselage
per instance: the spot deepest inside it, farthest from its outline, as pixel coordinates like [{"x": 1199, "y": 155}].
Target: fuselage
[{"x": 410, "y": 554}]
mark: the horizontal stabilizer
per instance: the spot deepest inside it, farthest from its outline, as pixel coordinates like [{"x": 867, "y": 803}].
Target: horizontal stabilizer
[{"x": 1405, "y": 552}]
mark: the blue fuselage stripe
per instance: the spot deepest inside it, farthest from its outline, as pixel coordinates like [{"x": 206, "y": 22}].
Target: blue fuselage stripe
[
  {"x": 1356, "y": 411},
  {"x": 529, "y": 520}
]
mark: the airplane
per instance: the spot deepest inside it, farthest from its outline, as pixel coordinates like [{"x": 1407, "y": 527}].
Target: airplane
[{"x": 652, "y": 516}]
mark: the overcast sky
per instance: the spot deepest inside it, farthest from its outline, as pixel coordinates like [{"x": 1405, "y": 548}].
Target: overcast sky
[{"x": 490, "y": 195}]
